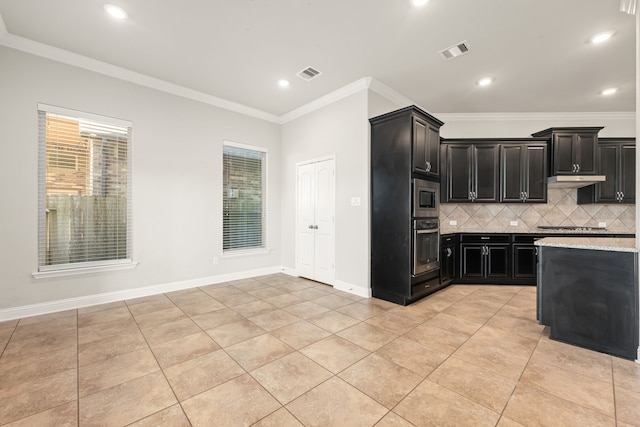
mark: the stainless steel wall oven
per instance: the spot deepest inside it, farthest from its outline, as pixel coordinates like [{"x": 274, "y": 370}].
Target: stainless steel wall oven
[{"x": 426, "y": 246}]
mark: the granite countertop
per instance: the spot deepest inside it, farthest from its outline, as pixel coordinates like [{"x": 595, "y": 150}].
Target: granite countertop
[{"x": 618, "y": 244}]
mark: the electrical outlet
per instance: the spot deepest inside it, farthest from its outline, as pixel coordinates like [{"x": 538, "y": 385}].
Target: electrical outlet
[
  {"x": 355, "y": 201},
  {"x": 453, "y": 222},
  {"x": 514, "y": 223},
  {"x": 602, "y": 224},
  {"x": 215, "y": 260}
]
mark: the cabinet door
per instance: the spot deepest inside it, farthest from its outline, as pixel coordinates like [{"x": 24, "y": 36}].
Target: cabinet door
[
  {"x": 627, "y": 174},
  {"x": 585, "y": 153},
  {"x": 524, "y": 261},
  {"x": 497, "y": 260},
  {"x": 447, "y": 263},
  {"x": 535, "y": 173},
  {"x": 511, "y": 173},
  {"x": 563, "y": 161},
  {"x": 606, "y": 191},
  {"x": 433, "y": 151},
  {"x": 472, "y": 262},
  {"x": 486, "y": 173},
  {"x": 458, "y": 173},
  {"x": 420, "y": 140}
]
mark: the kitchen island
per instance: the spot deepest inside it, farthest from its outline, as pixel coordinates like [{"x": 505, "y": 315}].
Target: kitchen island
[{"x": 588, "y": 292}]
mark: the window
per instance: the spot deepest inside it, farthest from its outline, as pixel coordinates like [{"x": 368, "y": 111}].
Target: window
[
  {"x": 243, "y": 197},
  {"x": 84, "y": 190}
]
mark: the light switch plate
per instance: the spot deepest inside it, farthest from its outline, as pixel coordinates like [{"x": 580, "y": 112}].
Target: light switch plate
[
  {"x": 453, "y": 222},
  {"x": 355, "y": 201}
]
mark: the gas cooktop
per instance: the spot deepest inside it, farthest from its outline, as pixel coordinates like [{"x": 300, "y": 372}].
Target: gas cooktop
[{"x": 569, "y": 228}]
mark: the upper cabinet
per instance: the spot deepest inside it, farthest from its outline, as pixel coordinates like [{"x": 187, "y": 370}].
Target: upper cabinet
[
  {"x": 617, "y": 157},
  {"x": 523, "y": 172},
  {"x": 471, "y": 172},
  {"x": 573, "y": 150},
  {"x": 426, "y": 146},
  {"x": 405, "y": 142}
]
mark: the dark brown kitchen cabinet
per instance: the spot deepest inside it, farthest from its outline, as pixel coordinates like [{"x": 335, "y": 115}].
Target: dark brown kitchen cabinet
[
  {"x": 524, "y": 261},
  {"x": 426, "y": 147},
  {"x": 484, "y": 257},
  {"x": 617, "y": 159},
  {"x": 523, "y": 173},
  {"x": 448, "y": 258},
  {"x": 573, "y": 150},
  {"x": 398, "y": 139},
  {"x": 471, "y": 172}
]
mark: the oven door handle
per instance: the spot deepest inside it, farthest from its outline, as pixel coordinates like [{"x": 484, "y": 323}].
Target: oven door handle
[{"x": 430, "y": 231}]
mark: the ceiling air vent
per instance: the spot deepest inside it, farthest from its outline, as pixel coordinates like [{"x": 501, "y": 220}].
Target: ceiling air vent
[
  {"x": 308, "y": 73},
  {"x": 455, "y": 50}
]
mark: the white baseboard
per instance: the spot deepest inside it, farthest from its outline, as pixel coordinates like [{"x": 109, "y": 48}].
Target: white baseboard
[
  {"x": 89, "y": 300},
  {"x": 353, "y": 289},
  {"x": 339, "y": 285}
]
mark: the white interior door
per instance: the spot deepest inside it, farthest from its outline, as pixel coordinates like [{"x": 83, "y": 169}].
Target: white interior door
[{"x": 315, "y": 228}]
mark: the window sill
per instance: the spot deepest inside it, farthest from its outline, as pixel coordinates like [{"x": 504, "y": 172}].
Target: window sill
[
  {"x": 83, "y": 270},
  {"x": 245, "y": 252}
]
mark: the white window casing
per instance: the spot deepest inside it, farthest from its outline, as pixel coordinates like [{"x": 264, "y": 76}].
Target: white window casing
[{"x": 84, "y": 192}]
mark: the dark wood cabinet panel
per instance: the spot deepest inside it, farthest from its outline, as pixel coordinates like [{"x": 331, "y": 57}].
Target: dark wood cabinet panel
[
  {"x": 573, "y": 150},
  {"x": 448, "y": 259},
  {"x": 617, "y": 162},
  {"x": 484, "y": 261},
  {"x": 524, "y": 261},
  {"x": 426, "y": 148},
  {"x": 471, "y": 173},
  {"x": 524, "y": 173},
  {"x": 485, "y": 173},
  {"x": 399, "y": 148}
]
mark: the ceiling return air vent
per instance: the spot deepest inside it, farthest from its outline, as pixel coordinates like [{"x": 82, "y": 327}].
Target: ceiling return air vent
[
  {"x": 308, "y": 74},
  {"x": 455, "y": 50}
]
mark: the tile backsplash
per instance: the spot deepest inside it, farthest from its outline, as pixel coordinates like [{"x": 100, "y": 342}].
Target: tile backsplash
[{"x": 561, "y": 209}]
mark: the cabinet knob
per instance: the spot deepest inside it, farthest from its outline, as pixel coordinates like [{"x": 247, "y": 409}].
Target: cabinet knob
[
  {"x": 428, "y": 166},
  {"x": 578, "y": 167}
]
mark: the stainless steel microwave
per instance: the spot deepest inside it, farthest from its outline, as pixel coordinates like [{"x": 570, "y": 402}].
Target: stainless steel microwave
[{"x": 426, "y": 198}]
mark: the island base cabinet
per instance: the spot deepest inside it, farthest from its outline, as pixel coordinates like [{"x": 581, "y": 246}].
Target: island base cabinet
[{"x": 589, "y": 298}]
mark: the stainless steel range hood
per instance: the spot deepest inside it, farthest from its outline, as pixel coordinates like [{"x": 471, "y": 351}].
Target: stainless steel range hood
[{"x": 574, "y": 181}]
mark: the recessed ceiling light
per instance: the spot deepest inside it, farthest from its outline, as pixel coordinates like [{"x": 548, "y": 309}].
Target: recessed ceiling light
[
  {"x": 601, "y": 37},
  {"x": 115, "y": 11},
  {"x": 609, "y": 91},
  {"x": 419, "y": 2},
  {"x": 283, "y": 83},
  {"x": 485, "y": 81}
]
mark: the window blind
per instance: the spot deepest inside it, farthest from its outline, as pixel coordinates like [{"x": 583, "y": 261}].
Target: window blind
[
  {"x": 243, "y": 197},
  {"x": 84, "y": 198}
]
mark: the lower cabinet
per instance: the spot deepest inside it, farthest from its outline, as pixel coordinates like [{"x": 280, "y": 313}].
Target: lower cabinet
[
  {"x": 448, "y": 258},
  {"x": 484, "y": 257},
  {"x": 496, "y": 259},
  {"x": 484, "y": 261}
]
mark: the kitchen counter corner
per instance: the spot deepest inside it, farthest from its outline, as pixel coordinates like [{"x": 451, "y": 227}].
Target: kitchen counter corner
[{"x": 616, "y": 244}]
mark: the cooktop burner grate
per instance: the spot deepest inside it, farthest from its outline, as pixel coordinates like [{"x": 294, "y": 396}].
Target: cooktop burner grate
[{"x": 569, "y": 228}]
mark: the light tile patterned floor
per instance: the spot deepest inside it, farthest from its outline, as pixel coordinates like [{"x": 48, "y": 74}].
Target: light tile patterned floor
[{"x": 282, "y": 351}]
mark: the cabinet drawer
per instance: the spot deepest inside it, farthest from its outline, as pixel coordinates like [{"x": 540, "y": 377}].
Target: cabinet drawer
[
  {"x": 448, "y": 239},
  {"x": 484, "y": 238},
  {"x": 525, "y": 238}
]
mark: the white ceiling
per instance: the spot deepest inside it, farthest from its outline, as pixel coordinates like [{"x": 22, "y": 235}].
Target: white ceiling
[{"x": 537, "y": 50}]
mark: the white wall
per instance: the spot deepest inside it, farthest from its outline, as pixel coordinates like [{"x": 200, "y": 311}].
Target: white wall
[
  {"x": 507, "y": 126},
  {"x": 340, "y": 130},
  {"x": 177, "y": 189}
]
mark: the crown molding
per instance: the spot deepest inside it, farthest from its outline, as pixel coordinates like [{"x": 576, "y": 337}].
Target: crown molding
[
  {"x": 487, "y": 117},
  {"x": 84, "y": 62},
  {"x": 3, "y": 28},
  {"x": 330, "y": 98}
]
